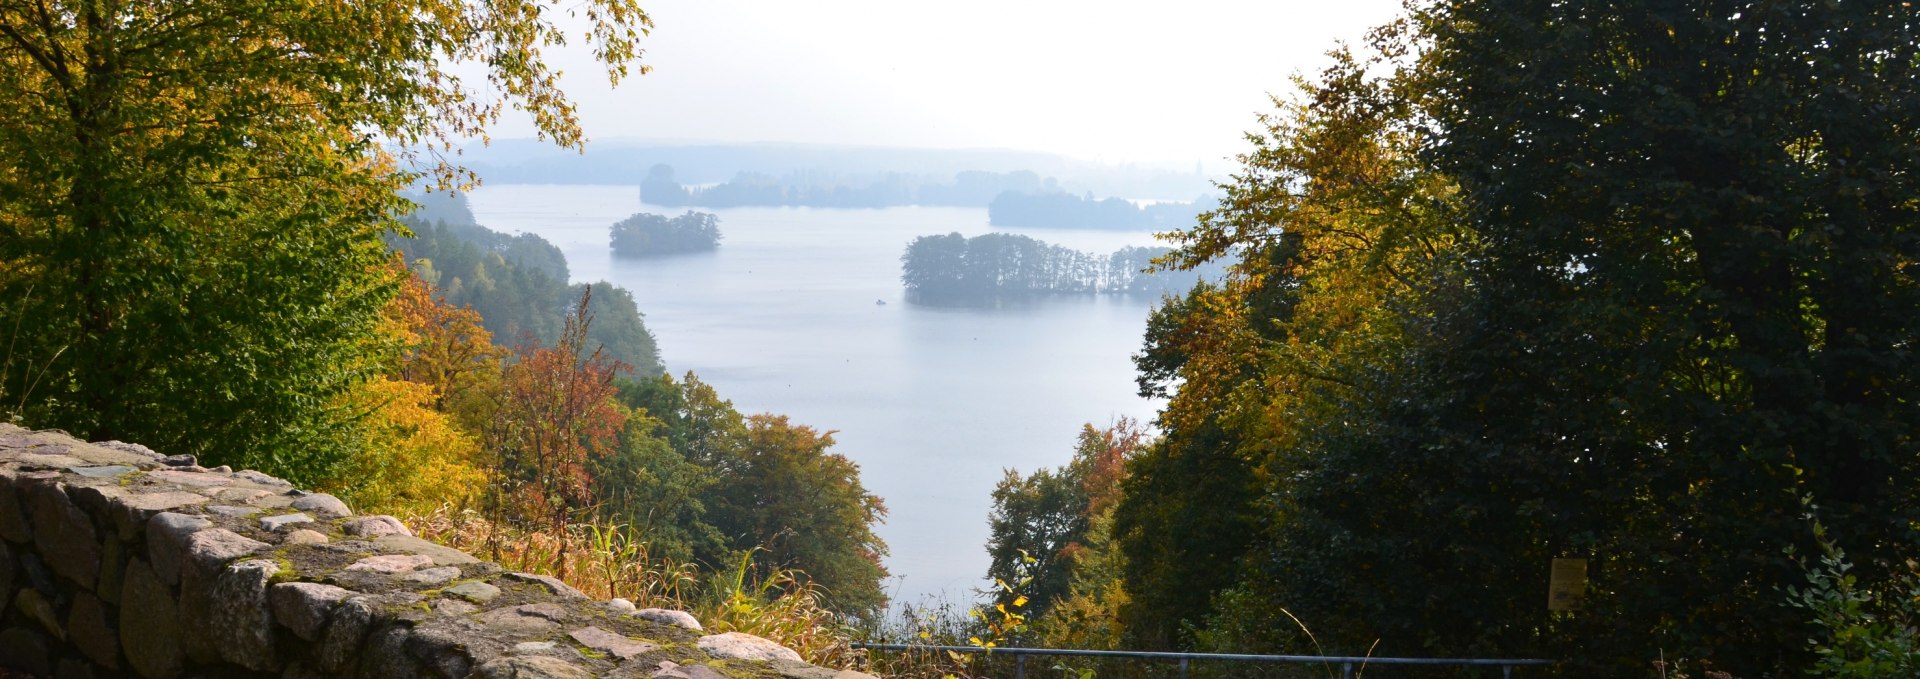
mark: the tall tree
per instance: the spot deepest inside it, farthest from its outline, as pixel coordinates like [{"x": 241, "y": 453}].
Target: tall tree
[
  {"x": 767, "y": 487},
  {"x": 1626, "y": 283},
  {"x": 191, "y": 194},
  {"x": 801, "y": 507},
  {"x": 1695, "y": 300},
  {"x": 1344, "y": 247},
  {"x": 1040, "y": 526}
]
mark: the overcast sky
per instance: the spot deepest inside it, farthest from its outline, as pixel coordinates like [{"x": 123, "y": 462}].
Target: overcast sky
[{"x": 1114, "y": 80}]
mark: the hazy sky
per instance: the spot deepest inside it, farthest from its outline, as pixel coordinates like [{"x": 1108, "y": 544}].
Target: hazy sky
[{"x": 1116, "y": 80}]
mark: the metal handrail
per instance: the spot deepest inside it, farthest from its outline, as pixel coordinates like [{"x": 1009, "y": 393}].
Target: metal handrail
[{"x": 1346, "y": 663}]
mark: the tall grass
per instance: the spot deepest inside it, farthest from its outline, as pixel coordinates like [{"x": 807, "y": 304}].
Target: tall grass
[{"x": 783, "y": 606}]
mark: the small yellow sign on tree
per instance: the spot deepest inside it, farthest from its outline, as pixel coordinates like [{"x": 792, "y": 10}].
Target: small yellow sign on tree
[{"x": 1567, "y": 584}]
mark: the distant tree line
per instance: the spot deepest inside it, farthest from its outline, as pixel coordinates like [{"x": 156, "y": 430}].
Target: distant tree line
[
  {"x": 1056, "y": 210},
  {"x": 821, "y": 189},
  {"x": 519, "y": 285},
  {"x": 646, "y": 233},
  {"x": 954, "y": 268}
]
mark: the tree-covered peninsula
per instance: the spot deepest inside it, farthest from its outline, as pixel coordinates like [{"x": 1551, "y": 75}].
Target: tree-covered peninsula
[{"x": 954, "y": 269}]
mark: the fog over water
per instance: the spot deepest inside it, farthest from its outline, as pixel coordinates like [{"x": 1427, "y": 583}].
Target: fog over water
[{"x": 933, "y": 403}]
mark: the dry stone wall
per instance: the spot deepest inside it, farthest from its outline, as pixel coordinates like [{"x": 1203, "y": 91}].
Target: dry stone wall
[{"x": 116, "y": 561}]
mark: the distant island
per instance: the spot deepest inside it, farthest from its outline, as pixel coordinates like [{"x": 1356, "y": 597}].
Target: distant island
[
  {"x": 954, "y": 269},
  {"x": 647, "y": 234},
  {"x": 1059, "y": 210}
]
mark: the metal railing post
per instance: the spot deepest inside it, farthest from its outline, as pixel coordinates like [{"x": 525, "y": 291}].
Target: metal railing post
[
  {"x": 1346, "y": 670},
  {"x": 1020, "y": 666},
  {"x": 1183, "y": 668}
]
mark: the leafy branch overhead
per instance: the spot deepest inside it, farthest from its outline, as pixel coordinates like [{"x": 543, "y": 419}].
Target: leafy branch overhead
[{"x": 195, "y": 192}]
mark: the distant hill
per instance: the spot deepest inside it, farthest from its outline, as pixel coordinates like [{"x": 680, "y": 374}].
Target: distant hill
[
  {"x": 519, "y": 161},
  {"x": 971, "y": 188}
]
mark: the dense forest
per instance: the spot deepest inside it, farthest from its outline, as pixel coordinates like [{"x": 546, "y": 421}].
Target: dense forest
[
  {"x": 646, "y": 234},
  {"x": 1646, "y": 302},
  {"x": 821, "y": 189},
  {"x": 999, "y": 266},
  {"x": 1058, "y": 210}
]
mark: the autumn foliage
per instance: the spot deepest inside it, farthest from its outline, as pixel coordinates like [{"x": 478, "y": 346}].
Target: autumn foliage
[{"x": 557, "y": 410}]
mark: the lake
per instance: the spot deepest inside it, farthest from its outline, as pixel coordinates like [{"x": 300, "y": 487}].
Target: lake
[{"x": 933, "y": 403}]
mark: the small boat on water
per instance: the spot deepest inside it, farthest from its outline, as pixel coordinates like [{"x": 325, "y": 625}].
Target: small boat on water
[{"x": 879, "y": 302}]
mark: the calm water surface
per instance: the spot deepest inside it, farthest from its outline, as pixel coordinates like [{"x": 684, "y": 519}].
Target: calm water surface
[{"x": 933, "y": 403}]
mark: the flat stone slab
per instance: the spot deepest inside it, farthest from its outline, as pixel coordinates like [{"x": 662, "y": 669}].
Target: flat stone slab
[
  {"x": 276, "y": 523},
  {"x": 162, "y": 501},
  {"x": 432, "y": 576},
  {"x": 742, "y": 646},
  {"x": 304, "y": 536},
  {"x": 528, "y": 667},
  {"x": 130, "y": 448},
  {"x": 262, "y": 479},
  {"x": 183, "y": 478},
  {"x": 103, "y": 472},
  {"x": 552, "y": 584},
  {"x": 375, "y": 526},
  {"x": 616, "y": 645},
  {"x": 240, "y": 495},
  {"x": 46, "y": 461},
  {"x": 322, "y": 503},
  {"x": 215, "y": 546},
  {"x": 477, "y": 592},
  {"x": 452, "y": 607},
  {"x": 666, "y": 616},
  {"x": 390, "y": 564},
  {"x": 525, "y": 619},
  {"x": 441, "y": 554}
]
